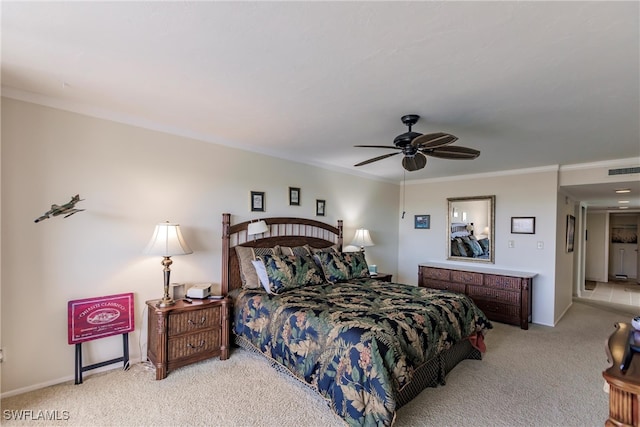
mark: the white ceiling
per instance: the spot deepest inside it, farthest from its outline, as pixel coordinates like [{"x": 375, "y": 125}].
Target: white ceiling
[{"x": 529, "y": 84}]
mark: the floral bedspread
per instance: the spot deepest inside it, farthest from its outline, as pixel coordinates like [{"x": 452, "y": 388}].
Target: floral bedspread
[{"x": 356, "y": 343}]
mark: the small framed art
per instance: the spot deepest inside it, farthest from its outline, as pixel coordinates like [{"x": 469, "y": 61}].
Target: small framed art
[
  {"x": 294, "y": 196},
  {"x": 523, "y": 225},
  {"x": 571, "y": 231},
  {"x": 257, "y": 201},
  {"x": 320, "y": 207},
  {"x": 422, "y": 221}
]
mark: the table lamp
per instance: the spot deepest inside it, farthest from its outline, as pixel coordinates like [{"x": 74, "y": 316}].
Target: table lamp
[
  {"x": 257, "y": 227},
  {"x": 362, "y": 239},
  {"x": 167, "y": 241}
]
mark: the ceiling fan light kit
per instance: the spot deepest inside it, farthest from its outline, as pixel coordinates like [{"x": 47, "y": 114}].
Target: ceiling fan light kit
[{"x": 416, "y": 146}]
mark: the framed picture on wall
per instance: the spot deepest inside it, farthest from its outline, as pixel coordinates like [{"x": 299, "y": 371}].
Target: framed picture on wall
[
  {"x": 320, "y": 207},
  {"x": 294, "y": 196},
  {"x": 422, "y": 221},
  {"x": 257, "y": 201},
  {"x": 523, "y": 225},
  {"x": 571, "y": 232}
]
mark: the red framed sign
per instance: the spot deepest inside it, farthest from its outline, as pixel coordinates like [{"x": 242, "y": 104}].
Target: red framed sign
[{"x": 100, "y": 317}]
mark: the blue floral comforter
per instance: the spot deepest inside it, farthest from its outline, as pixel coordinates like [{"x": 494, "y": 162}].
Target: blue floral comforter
[{"x": 356, "y": 343}]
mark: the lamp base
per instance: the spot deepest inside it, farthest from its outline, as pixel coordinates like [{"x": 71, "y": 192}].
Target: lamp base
[{"x": 165, "y": 302}]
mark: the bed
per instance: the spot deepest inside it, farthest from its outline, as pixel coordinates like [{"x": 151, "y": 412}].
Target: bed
[
  {"x": 465, "y": 244},
  {"x": 366, "y": 346}
]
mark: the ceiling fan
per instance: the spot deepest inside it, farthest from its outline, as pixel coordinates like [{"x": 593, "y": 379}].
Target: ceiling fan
[{"x": 416, "y": 146}]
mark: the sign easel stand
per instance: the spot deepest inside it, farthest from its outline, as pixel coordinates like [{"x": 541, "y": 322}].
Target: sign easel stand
[{"x": 124, "y": 359}]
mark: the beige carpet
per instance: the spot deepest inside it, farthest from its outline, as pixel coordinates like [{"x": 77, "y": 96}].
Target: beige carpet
[{"x": 541, "y": 377}]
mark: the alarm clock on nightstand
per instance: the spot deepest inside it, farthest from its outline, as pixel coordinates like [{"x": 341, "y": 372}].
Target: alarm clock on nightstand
[{"x": 199, "y": 291}]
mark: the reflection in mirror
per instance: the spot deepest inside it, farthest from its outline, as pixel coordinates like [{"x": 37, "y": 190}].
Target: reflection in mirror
[{"x": 470, "y": 229}]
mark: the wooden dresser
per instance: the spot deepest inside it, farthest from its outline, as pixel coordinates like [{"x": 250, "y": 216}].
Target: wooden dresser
[
  {"x": 187, "y": 333},
  {"x": 503, "y": 295}
]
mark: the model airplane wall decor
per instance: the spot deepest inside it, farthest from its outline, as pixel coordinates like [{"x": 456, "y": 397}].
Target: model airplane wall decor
[{"x": 67, "y": 209}]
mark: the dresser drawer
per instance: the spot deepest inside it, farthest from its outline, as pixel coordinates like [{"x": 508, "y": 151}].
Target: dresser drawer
[
  {"x": 447, "y": 286},
  {"x": 190, "y": 321},
  {"x": 490, "y": 294},
  {"x": 466, "y": 277},
  {"x": 502, "y": 282},
  {"x": 190, "y": 344},
  {"x": 435, "y": 273},
  {"x": 499, "y": 311}
]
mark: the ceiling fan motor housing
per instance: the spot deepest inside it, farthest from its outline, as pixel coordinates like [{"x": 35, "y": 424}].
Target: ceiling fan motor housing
[{"x": 405, "y": 139}]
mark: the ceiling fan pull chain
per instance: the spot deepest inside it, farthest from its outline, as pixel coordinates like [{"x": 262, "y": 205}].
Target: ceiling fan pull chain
[{"x": 404, "y": 191}]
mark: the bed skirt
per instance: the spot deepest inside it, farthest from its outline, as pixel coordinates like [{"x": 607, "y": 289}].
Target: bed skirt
[{"x": 430, "y": 374}]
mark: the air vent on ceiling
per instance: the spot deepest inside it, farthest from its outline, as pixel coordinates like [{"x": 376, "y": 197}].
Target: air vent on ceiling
[{"x": 624, "y": 171}]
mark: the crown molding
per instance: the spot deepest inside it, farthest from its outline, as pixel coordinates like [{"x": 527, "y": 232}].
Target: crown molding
[
  {"x": 632, "y": 162},
  {"x": 510, "y": 172}
]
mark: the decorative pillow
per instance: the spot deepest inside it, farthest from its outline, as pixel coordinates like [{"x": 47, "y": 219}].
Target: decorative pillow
[
  {"x": 296, "y": 250},
  {"x": 472, "y": 242},
  {"x": 342, "y": 266},
  {"x": 333, "y": 248},
  {"x": 247, "y": 270},
  {"x": 454, "y": 248},
  {"x": 261, "y": 271},
  {"x": 484, "y": 243},
  {"x": 287, "y": 272},
  {"x": 462, "y": 249}
]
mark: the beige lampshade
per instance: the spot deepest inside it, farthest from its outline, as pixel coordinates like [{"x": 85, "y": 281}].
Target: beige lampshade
[
  {"x": 167, "y": 240},
  {"x": 257, "y": 228},
  {"x": 362, "y": 238}
]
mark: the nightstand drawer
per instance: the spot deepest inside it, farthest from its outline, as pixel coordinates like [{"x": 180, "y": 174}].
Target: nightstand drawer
[
  {"x": 189, "y": 321},
  {"x": 188, "y": 345}
]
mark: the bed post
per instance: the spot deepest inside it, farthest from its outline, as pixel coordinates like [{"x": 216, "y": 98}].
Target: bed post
[
  {"x": 226, "y": 222},
  {"x": 340, "y": 234}
]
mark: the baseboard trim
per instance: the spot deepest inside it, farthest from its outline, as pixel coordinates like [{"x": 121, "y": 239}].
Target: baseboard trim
[{"x": 65, "y": 379}]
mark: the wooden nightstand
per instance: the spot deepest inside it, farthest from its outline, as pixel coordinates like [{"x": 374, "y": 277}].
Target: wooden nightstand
[
  {"x": 187, "y": 333},
  {"x": 383, "y": 277}
]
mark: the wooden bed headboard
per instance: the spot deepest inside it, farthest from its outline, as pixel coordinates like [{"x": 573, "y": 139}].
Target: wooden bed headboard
[{"x": 283, "y": 231}]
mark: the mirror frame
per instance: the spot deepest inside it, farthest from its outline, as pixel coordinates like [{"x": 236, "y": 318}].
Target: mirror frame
[{"x": 492, "y": 213}]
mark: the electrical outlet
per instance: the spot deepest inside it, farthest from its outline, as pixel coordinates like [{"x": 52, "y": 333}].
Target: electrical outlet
[
  {"x": 512, "y": 244},
  {"x": 540, "y": 244}
]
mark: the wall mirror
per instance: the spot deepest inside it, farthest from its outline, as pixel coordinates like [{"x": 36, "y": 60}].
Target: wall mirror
[{"x": 470, "y": 229}]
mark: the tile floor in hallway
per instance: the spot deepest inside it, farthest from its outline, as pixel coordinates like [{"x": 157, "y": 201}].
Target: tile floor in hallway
[{"x": 616, "y": 291}]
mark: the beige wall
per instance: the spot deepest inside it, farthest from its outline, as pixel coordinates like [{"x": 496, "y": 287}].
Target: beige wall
[
  {"x": 522, "y": 193},
  {"x": 131, "y": 179},
  {"x": 566, "y": 262},
  {"x": 596, "y": 264}
]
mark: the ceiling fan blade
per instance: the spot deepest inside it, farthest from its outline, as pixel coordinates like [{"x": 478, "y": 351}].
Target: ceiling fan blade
[
  {"x": 461, "y": 153},
  {"x": 434, "y": 140},
  {"x": 379, "y": 146},
  {"x": 375, "y": 159},
  {"x": 413, "y": 163}
]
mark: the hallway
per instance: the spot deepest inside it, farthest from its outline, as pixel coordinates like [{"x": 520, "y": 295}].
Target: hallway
[{"x": 625, "y": 292}]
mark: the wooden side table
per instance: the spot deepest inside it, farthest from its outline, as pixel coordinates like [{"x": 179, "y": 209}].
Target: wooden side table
[
  {"x": 624, "y": 387},
  {"x": 187, "y": 333},
  {"x": 383, "y": 276}
]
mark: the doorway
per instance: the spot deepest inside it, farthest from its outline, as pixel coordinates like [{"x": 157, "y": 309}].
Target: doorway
[{"x": 611, "y": 259}]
